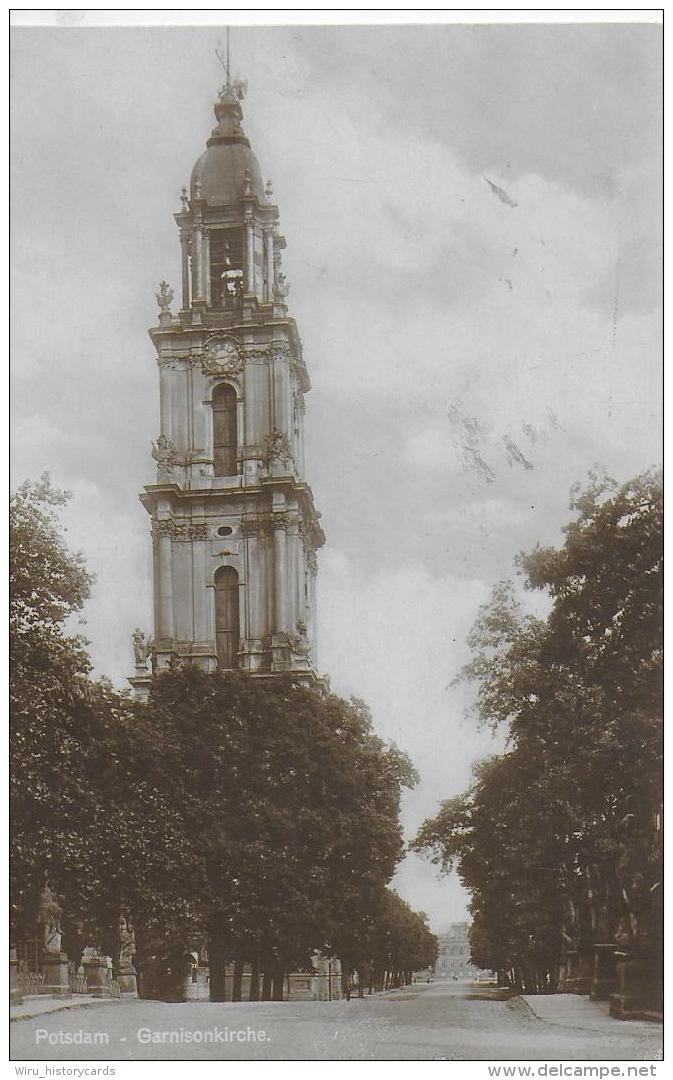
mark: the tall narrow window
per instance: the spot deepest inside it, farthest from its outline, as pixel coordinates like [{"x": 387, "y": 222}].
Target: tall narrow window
[
  {"x": 224, "y": 430},
  {"x": 226, "y": 617}
]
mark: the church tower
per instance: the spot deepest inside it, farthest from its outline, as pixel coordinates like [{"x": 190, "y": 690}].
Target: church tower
[{"x": 234, "y": 528}]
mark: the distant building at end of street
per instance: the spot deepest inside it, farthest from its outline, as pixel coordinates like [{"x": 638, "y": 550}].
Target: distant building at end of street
[{"x": 454, "y": 954}]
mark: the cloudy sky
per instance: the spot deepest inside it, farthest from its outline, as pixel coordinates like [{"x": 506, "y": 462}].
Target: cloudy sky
[{"x": 472, "y": 216}]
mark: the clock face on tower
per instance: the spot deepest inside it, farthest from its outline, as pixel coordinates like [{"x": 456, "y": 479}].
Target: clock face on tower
[{"x": 222, "y": 355}]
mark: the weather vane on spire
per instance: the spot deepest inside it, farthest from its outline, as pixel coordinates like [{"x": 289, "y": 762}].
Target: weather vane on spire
[{"x": 235, "y": 88}]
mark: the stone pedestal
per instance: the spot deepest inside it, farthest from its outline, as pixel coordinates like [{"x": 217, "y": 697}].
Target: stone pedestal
[
  {"x": 54, "y": 967},
  {"x": 128, "y": 983},
  {"x": 141, "y": 683},
  {"x": 280, "y": 651},
  {"x": 326, "y": 979},
  {"x": 98, "y": 976},
  {"x": 579, "y": 972},
  {"x": 14, "y": 988},
  {"x": 605, "y": 972},
  {"x": 639, "y": 987},
  {"x": 301, "y": 986}
]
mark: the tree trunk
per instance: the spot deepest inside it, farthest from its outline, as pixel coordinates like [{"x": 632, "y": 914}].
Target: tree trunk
[
  {"x": 278, "y": 980},
  {"x": 254, "y": 978},
  {"x": 266, "y": 981},
  {"x": 217, "y": 964},
  {"x": 238, "y": 979}
]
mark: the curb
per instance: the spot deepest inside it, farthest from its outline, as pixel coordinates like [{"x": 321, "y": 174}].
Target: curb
[
  {"x": 558, "y": 1021},
  {"x": 62, "y": 1008}
]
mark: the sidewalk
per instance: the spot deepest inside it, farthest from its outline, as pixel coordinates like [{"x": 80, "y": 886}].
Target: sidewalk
[
  {"x": 577, "y": 1011},
  {"x": 40, "y": 1004}
]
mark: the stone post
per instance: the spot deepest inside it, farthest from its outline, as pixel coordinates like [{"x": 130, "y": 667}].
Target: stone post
[
  {"x": 14, "y": 988},
  {"x": 605, "y": 972},
  {"x": 54, "y": 967},
  {"x": 579, "y": 972},
  {"x": 98, "y": 973},
  {"x": 638, "y": 987}
]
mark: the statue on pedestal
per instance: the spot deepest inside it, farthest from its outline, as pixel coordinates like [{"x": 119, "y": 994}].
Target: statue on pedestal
[
  {"x": 278, "y": 447},
  {"x": 126, "y": 972},
  {"x": 127, "y": 946},
  {"x": 142, "y": 647},
  {"x": 50, "y": 921},
  {"x": 281, "y": 286}
]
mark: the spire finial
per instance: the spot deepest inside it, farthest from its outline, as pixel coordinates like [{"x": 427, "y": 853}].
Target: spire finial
[{"x": 233, "y": 88}]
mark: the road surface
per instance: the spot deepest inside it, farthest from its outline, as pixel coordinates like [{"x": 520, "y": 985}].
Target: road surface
[{"x": 437, "y": 1021}]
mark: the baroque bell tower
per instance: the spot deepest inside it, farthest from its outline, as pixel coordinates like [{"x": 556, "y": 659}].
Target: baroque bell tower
[{"x": 234, "y": 528}]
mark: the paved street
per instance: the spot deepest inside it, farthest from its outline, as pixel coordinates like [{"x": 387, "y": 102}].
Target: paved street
[{"x": 440, "y": 1020}]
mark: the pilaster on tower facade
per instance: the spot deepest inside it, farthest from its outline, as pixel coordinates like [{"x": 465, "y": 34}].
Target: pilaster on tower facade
[{"x": 234, "y": 528}]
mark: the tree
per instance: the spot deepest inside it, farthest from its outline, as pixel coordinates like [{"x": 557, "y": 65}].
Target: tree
[
  {"x": 575, "y": 802},
  {"x": 90, "y": 811},
  {"x": 48, "y": 583},
  {"x": 396, "y": 943},
  {"x": 259, "y": 813},
  {"x": 294, "y": 804}
]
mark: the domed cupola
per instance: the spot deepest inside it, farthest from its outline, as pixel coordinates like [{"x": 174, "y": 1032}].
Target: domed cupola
[
  {"x": 231, "y": 245},
  {"x": 228, "y": 166}
]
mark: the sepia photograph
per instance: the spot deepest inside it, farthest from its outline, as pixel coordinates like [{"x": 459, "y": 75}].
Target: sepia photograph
[{"x": 336, "y": 720}]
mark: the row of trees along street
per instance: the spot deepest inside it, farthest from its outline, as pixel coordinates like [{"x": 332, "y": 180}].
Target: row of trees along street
[
  {"x": 259, "y": 816},
  {"x": 558, "y": 839}
]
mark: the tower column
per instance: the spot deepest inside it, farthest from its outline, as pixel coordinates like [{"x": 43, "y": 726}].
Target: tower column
[
  {"x": 197, "y": 262},
  {"x": 313, "y": 603},
  {"x": 281, "y": 391},
  {"x": 268, "y": 239},
  {"x": 293, "y": 544},
  {"x": 165, "y": 397},
  {"x": 249, "y": 256},
  {"x": 300, "y": 577},
  {"x": 164, "y": 584},
  {"x": 256, "y": 599},
  {"x": 280, "y": 573},
  {"x": 205, "y": 269},
  {"x": 184, "y": 243}
]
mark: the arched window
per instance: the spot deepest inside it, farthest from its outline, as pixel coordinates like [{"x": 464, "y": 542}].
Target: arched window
[
  {"x": 226, "y": 617},
  {"x": 224, "y": 430}
]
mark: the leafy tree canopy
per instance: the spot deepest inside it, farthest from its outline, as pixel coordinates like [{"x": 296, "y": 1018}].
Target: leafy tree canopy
[{"x": 565, "y": 824}]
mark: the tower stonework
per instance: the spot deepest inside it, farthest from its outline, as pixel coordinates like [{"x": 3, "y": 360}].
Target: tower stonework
[{"x": 234, "y": 528}]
